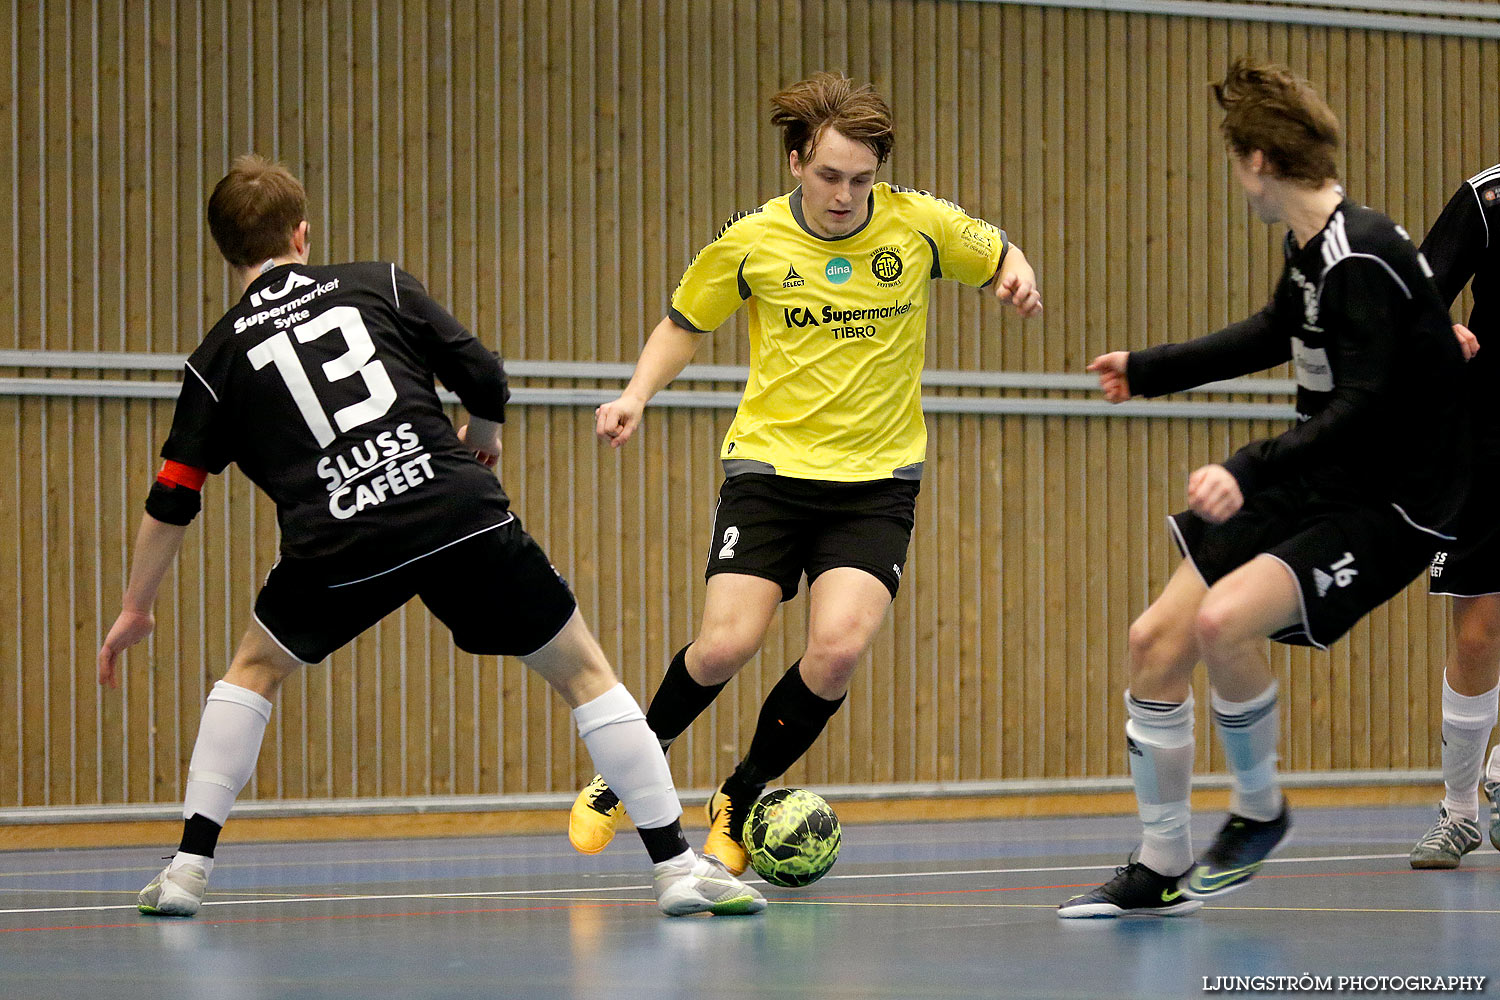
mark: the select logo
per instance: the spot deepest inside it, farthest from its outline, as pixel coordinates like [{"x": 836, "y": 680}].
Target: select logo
[{"x": 838, "y": 270}]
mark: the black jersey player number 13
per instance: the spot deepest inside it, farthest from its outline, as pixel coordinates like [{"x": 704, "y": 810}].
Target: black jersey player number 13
[{"x": 359, "y": 360}]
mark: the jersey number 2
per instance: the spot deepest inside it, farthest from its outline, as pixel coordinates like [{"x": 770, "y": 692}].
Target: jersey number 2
[
  {"x": 359, "y": 360},
  {"x": 731, "y": 539}
]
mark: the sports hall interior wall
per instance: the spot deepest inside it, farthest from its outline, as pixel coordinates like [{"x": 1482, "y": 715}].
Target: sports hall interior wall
[{"x": 548, "y": 169}]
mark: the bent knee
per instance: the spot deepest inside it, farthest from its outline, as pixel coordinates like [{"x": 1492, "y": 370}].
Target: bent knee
[
  {"x": 1161, "y": 647},
  {"x": 1222, "y": 623},
  {"x": 718, "y": 656}
]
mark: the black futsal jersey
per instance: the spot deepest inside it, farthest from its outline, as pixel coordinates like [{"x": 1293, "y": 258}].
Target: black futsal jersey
[
  {"x": 1464, "y": 243},
  {"x": 319, "y": 384},
  {"x": 1377, "y": 367}
]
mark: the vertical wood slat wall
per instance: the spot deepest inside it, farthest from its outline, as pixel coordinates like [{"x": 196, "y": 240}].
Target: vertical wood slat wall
[{"x": 548, "y": 168}]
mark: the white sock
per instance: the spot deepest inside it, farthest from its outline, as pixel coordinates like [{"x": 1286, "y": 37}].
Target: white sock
[
  {"x": 1248, "y": 730},
  {"x": 626, "y": 753},
  {"x": 683, "y": 862},
  {"x": 183, "y": 857},
  {"x": 1467, "y": 721},
  {"x": 1492, "y": 770},
  {"x": 234, "y": 722},
  {"x": 1159, "y": 736}
]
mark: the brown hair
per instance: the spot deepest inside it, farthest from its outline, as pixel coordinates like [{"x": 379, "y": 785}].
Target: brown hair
[
  {"x": 255, "y": 209},
  {"x": 1269, "y": 108},
  {"x": 831, "y": 100}
]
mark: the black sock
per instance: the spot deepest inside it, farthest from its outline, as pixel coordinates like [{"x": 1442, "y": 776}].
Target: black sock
[
  {"x": 790, "y": 722},
  {"x": 678, "y": 701},
  {"x": 664, "y": 843},
  {"x": 200, "y": 835}
]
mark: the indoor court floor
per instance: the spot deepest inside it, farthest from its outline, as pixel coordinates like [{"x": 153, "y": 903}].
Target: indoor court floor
[{"x": 959, "y": 909}]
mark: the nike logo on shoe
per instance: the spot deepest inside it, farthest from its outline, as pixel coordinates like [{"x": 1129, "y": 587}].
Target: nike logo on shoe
[
  {"x": 1167, "y": 895},
  {"x": 1208, "y": 882}
]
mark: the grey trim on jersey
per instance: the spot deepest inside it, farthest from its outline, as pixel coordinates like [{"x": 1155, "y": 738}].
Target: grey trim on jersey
[
  {"x": 937, "y": 267},
  {"x": 739, "y": 276},
  {"x": 679, "y": 319},
  {"x": 394, "y": 291},
  {"x": 796, "y": 205},
  {"x": 1005, "y": 246},
  {"x": 743, "y": 466}
]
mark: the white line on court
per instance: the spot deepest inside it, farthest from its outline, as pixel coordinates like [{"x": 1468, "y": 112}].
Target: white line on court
[{"x": 501, "y": 893}]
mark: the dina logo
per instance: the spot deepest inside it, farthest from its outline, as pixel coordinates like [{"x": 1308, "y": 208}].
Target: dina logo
[
  {"x": 839, "y": 270},
  {"x": 792, "y": 279},
  {"x": 887, "y": 267}
]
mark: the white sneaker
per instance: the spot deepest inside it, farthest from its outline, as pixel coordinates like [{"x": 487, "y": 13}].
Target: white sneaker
[
  {"x": 176, "y": 892},
  {"x": 703, "y": 887}
]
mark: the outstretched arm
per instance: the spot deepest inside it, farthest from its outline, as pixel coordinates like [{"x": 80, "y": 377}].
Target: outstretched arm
[
  {"x": 156, "y": 546},
  {"x": 668, "y": 350}
]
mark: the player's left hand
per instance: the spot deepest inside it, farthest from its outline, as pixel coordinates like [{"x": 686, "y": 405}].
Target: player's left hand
[
  {"x": 1467, "y": 342},
  {"x": 487, "y": 453},
  {"x": 1214, "y": 494},
  {"x": 130, "y": 628},
  {"x": 1016, "y": 283}
]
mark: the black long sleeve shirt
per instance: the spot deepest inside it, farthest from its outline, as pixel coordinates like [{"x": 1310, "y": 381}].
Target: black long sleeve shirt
[
  {"x": 319, "y": 383},
  {"x": 1464, "y": 244},
  {"x": 1376, "y": 364}
]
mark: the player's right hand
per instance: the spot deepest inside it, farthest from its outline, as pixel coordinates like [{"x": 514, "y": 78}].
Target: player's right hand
[
  {"x": 130, "y": 628},
  {"x": 616, "y": 420},
  {"x": 1467, "y": 342},
  {"x": 1111, "y": 371},
  {"x": 486, "y": 452}
]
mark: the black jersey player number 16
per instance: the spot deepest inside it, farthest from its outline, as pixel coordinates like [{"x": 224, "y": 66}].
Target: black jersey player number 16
[{"x": 359, "y": 360}]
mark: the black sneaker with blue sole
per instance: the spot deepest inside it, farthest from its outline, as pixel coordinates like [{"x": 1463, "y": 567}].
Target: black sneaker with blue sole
[
  {"x": 1135, "y": 891},
  {"x": 1236, "y": 854}
]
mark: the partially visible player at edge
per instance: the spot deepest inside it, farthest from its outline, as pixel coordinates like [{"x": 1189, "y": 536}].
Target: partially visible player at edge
[
  {"x": 378, "y": 500},
  {"x": 1297, "y": 537},
  {"x": 1464, "y": 243},
  {"x": 824, "y": 458}
]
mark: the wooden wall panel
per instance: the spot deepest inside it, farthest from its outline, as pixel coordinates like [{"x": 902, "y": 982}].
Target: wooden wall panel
[{"x": 548, "y": 167}]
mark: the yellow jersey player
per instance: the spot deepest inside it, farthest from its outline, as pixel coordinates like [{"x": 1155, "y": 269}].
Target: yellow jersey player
[{"x": 824, "y": 458}]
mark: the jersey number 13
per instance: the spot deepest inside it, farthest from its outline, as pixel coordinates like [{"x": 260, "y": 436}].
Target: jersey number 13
[{"x": 359, "y": 360}]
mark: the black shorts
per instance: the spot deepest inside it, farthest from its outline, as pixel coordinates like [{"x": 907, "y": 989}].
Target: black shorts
[
  {"x": 1470, "y": 565},
  {"x": 496, "y": 592},
  {"x": 1348, "y": 557},
  {"x": 778, "y": 528}
]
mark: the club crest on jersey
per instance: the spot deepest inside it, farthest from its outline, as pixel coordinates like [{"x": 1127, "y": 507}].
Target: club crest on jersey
[
  {"x": 1491, "y": 194},
  {"x": 886, "y": 265},
  {"x": 838, "y": 270},
  {"x": 792, "y": 279},
  {"x": 293, "y": 281}
]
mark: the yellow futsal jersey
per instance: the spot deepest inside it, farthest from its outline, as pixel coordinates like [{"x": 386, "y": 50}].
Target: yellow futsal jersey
[{"x": 838, "y": 329}]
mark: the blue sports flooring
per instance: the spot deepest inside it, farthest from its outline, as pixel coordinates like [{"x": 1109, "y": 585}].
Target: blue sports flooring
[{"x": 962, "y": 909}]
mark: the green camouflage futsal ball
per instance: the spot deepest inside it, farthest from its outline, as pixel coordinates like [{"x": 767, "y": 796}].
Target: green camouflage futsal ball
[{"x": 792, "y": 837}]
